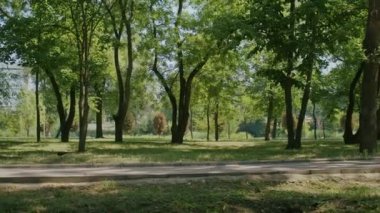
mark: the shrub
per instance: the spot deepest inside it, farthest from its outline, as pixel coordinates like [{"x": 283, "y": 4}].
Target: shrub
[{"x": 159, "y": 123}]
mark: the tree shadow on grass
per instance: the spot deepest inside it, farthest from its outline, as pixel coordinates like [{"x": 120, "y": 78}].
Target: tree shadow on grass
[{"x": 191, "y": 196}]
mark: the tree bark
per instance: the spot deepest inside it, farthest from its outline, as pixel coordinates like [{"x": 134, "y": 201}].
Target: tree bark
[
  {"x": 289, "y": 116},
  {"x": 315, "y": 122},
  {"x": 368, "y": 103},
  {"x": 216, "y": 121},
  {"x": 99, "y": 118},
  {"x": 208, "y": 120},
  {"x": 274, "y": 129},
  {"x": 68, "y": 122},
  {"x": 38, "y": 116},
  {"x": 304, "y": 102},
  {"x": 269, "y": 116},
  {"x": 348, "y": 135},
  {"x": 191, "y": 124}
]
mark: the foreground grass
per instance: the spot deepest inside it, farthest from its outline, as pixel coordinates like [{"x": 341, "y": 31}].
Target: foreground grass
[
  {"x": 153, "y": 150},
  {"x": 328, "y": 195}
]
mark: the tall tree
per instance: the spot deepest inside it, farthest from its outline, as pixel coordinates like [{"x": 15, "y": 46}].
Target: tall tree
[
  {"x": 121, "y": 16},
  {"x": 369, "y": 91},
  {"x": 85, "y": 18}
]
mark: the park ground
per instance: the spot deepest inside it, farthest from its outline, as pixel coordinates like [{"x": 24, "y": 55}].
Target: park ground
[
  {"x": 359, "y": 193},
  {"x": 158, "y": 150},
  {"x": 322, "y": 194}
]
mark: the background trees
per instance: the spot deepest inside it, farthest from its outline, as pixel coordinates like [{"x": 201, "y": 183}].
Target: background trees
[{"x": 211, "y": 66}]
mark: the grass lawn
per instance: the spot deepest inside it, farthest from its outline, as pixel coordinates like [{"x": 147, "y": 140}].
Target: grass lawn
[
  {"x": 333, "y": 194},
  {"x": 153, "y": 150}
]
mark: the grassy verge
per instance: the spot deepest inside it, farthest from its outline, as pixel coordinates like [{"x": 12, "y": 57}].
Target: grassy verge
[
  {"x": 152, "y": 150},
  {"x": 328, "y": 195}
]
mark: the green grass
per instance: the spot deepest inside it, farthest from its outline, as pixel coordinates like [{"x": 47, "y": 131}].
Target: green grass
[
  {"x": 209, "y": 195},
  {"x": 154, "y": 150}
]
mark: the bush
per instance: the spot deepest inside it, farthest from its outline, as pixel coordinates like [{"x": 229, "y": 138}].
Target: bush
[
  {"x": 159, "y": 123},
  {"x": 129, "y": 123}
]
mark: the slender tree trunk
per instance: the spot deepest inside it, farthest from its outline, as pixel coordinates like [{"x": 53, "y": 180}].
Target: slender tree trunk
[
  {"x": 216, "y": 121},
  {"x": 228, "y": 130},
  {"x": 315, "y": 122},
  {"x": 323, "y": 129},
  {"x": 191, "y": 123},
  {"x": 99, "y": 118},
  {"x": 368, "y": 103},
  {"x": 208, "y": 120},
  {"x": 269, "y": 117},
  {"x": 304, "y": 102},
  {"x": 38, "y": 117},
  {"x": 274, "y": 129},
  {"x": 348, "y": 136}
]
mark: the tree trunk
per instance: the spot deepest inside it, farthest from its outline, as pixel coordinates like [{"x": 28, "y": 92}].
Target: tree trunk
[
  {"x": 68, "y": 122},
  {"x": 216, "y": 121},
  {"x": 368, "y": 103},
  {"x": 315, "y": 122},
  {"x": 274, "y": 129},
  {"x": 289, "y": 116},
  {"x": 99, "y": 118},
  {"x": 208, "y": 120},
  {"x": 348, "y": 136},
  {"x": 304, "y": 102},
  {"x": 191, "y": 123},
  {"x": 83, "y": 116},
  {"x": 38, "y": 116},
  {"x": 228, "y": 130},
  {"x": 378, "y": 124},
  {"x": 269, "y": 117},
  {"x": 323, "y": 130}
]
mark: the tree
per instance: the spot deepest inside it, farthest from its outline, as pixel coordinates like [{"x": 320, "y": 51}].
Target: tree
[
  {"x": 194, "y": 42},
  {"x": 369, "y": 91},
  {"x": 121, "y": 17},
  {"x": 300, "y": 34},
  {"x": 85, "y": 19},
  {"x": 42, "y": 43}
]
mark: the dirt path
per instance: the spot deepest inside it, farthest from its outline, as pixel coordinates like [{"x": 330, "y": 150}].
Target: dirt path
[{"x": 77, "y": 174}]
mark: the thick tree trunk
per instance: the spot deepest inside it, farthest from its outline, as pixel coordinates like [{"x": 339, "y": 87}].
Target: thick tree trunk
[
  {"x": 83, "y": 116},
  {"x": 274, "y": 129},
  {"x": 289, "y": 116},
  {"x": 348, "y": 135},
  {"x": 269, "y": 117},
  {"x": 216, "y": 121},
  {"x": 38, "y": 116},
  {"x": 368, "y": 110},
  {"x": 378, "y": 124},
  {"x": 368, "y": 103},
  {"x": 314, "y": 122},
  {"x": 68, "y": 122}
]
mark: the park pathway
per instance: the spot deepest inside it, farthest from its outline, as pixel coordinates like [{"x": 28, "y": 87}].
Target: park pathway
[{"x": 88, "y": 173}]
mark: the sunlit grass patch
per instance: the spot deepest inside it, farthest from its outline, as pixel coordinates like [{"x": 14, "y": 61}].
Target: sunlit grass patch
[{"x": 158, "y": 150}]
